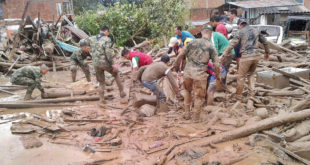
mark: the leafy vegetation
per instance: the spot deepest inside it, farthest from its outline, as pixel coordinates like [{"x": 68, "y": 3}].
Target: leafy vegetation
[{"x": 134, "y": 21}]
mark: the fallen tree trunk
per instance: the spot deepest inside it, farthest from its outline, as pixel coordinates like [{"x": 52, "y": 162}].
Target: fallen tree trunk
[
  {"x": 63, "y": 93},
  {"x": 248, "y": 130},
  {"x": 61, "y": 100},
  {"x": 21, "y": 105}
]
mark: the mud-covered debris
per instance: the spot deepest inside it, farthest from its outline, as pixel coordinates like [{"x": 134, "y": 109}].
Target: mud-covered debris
[{"x": 30, "y": 142}]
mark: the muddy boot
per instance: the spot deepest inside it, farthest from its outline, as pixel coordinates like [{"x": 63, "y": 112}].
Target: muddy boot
[
  {"x": 196, "y": 116},
  {"x": 162, "y": 107},
  {"x": 28, "y": 96},
  {"x": 187, "y": 113},
  {"x": 120, "y": 86},
  {"x": 73, "y": 69}
]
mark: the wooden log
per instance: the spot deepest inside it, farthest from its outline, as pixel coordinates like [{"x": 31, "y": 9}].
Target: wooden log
[
  {"x": 21, "y": 105},
  {"x": 11, "y": 67},
  {"x": 85, "y": 120},
  {"x": 8, "y": 92},
  {"x": 302, "y": 104},
  {"x": 250, "y": 129},
  {"x": 63, "y": 93},
  {"x": 278, "y": 47},
  {"x": 141, "y": 99}
]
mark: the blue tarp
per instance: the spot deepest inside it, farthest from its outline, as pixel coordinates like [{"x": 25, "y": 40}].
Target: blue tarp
[{"x": 67, "y": 47}]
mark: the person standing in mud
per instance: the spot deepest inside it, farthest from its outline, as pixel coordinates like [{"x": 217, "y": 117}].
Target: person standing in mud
[
  {"x": 77, "y": 60},
  {"x": 30, "y": 76},
  {"x": 248, "y": 38},
  {"x": 198, "y": 53},
  {"x": 102, "y": 57}
]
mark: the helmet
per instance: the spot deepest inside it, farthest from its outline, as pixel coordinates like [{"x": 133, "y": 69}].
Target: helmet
[{"x": 173, "y": 41}]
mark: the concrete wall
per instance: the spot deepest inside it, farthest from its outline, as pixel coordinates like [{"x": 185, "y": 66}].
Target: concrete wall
[{"x": 13, "y": 9}]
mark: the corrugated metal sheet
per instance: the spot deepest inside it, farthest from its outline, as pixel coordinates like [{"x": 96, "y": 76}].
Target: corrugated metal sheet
[
  {"x": 284, "y": 10},
  {"x": 264, "y": 3}
]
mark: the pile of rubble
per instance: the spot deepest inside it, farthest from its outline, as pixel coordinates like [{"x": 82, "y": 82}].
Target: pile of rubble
[
  {"x": 36, "y": 42},
  {"x": 275, "y": 132}
]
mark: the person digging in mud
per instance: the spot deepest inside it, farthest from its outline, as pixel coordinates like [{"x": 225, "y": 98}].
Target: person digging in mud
[
  {"x": 102, "y": 57},
  {"x": 248, "y": 38},
  {"x": 198, "y": 53},
  {"x": 150, "y": 74},
  {"x": 77, "y": 60},
  {"x": 30, "y": 76}
]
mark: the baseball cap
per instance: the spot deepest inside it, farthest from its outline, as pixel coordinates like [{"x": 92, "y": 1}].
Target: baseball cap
[{"x": 173, "y": 41}]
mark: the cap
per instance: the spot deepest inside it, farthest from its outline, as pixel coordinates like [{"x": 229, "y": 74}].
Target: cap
[
  {"x": 173, "y": 41},
  {"x": 207, "y": 27},
  {"x": 241, "y": 21},
  {"x": 84, "y": 42}
]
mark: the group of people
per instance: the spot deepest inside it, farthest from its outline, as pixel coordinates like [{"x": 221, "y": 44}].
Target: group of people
[{"x": 203, "y": 64}]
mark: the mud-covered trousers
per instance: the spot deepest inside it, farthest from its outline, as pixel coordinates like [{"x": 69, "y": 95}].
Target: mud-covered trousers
[
  {"x": 152, "y": 85},
  {"x": 247, "y": 68},
  {"x": 32, "y": 84}
]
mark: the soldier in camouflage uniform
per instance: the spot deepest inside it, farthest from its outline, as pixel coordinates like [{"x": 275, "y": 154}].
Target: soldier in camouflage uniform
[
  {"x": 248, "y": 38},
  {"x": 77, "y": 59},
  {"x": 30, "y": 76},
  {"x": 102, "y": 56},
  {"x": 198, "y": 53}
]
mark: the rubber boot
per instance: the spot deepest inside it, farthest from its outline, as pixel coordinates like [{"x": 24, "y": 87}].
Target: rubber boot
[
  {"x": 187, "y": 113},
  {"x": 196, "y": 114},
  {"x": 28, "y": 96},
  {"x": 120, "y": 86}
]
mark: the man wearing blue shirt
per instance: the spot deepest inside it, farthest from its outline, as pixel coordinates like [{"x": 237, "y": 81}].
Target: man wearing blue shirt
[{"x": 182, "y": 34}]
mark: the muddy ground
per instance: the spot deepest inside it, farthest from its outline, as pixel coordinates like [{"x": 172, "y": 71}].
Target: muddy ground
[{"x": 129, "y": 139}]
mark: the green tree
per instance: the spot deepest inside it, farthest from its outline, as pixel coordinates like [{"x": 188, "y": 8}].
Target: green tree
[{"x": 152, "y": 19}]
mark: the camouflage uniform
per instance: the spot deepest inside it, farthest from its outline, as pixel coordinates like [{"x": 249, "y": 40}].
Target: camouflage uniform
[
  {"x": 198, "y": 53},
  {"x": 77, "y": 59},
  {"x": 29, "y": 76},
  {"x": 102, "y": 56},
  {"x": 248, "y": 38}
]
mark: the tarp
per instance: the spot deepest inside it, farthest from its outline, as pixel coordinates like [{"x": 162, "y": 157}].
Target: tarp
[{"x": 67, "y": 47}]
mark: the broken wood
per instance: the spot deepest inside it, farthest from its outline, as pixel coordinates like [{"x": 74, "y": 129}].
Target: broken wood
[
  {"x": 21, "y": 105},
  {"x": 63, "y": 93},
  {"x": 69, "y": 99},
  {"x": 141, "y": 99},
  {"x": 44, "y": 125},
  {"x": 11, "y": 67},
  {"x": 248, "y": 130},
  {"x": 8, "y": 92},
  {"x": 17, "y": 37},
  {"x": 302, "y": 104},
  {"x": 86, "y": 120}
]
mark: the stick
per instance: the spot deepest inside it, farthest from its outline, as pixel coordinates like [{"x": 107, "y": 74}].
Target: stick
[
  {"x": 5, "y": 91},
  {"x": 17, "y": 105},
  {"x": 289, "y": 152},
  {"x": 86, "y": 120},
  {"x": 12, "y": 66}
]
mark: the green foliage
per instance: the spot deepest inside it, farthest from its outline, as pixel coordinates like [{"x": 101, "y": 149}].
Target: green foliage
[
  {"x": 79, "y": 6},
  {"x": 151, "y": 19}
]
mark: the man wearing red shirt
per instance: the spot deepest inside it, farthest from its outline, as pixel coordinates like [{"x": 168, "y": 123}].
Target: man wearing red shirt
[
  {"x": 219, "y": 26},
  {"x": 138, "y": 59}
]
